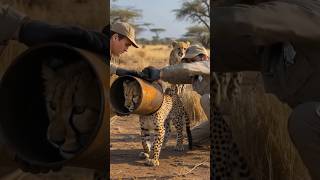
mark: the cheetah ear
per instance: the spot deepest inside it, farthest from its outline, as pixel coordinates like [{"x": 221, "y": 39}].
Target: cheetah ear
[
  {"x": 47, "y": 72},
  {"x": 188, "y": 43},
  {"x": 174, "y": 43}
]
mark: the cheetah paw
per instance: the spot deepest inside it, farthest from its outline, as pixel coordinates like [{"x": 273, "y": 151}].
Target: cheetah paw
[
  {"x": 143, "y": 155},
  {"x": 179, "y": 148},
  {"x": 152, "y": 162}
]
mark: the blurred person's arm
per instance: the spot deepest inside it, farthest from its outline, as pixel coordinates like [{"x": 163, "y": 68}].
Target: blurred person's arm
[
  {"x": 183, "y": 73},
  {"x": 114, "y": 69},
  {"x": 177, "y": 74},
  {"x": 36, "y": 32},
  {"x": 15, "y": 25},
  {"x": 240, "y": 29}
]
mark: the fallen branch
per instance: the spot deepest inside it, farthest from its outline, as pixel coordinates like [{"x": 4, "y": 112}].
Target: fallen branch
[{"x": 197, "y": 165}]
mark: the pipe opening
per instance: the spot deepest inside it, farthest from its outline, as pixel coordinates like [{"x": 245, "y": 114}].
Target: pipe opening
[
  {"x": 117, "y": 98},
  {"x": 150, "y": 96}
]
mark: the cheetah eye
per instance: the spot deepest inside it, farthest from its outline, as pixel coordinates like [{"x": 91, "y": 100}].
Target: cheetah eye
[
  {"x": 52, "y": 105},
  {"x": 79, "y": 109}
]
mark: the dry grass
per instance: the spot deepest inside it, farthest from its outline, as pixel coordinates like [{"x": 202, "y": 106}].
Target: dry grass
[
  {"x": 149, "y": 55},
  {"x": 191, "y": 102},
  {"x": 259, "y": 123}
]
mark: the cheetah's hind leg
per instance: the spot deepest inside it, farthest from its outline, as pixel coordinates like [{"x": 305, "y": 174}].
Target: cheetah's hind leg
[
  {"x": 167, "y": 133},
  {"x": 189, "y": 135}
]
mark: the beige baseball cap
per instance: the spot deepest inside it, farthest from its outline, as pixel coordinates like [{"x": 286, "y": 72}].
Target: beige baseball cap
[
  {"x": 125, "y": 29},
  {"x": 194, "y": 51}
]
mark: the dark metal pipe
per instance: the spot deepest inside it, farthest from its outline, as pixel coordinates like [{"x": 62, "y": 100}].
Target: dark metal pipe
[{"x": 150, "y": 101}]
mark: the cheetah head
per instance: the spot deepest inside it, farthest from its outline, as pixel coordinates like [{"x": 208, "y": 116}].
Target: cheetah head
[{"x": 179, "y": 48}]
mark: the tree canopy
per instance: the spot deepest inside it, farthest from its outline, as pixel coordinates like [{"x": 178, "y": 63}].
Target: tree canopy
[{"x": 198, "y": 11}]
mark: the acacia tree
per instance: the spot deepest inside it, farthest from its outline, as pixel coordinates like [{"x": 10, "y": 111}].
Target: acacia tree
[
  {"x": 124, "y": 15},
  {"x": 157, "y": 32},
  {"x": 198, "y": 11},
  {"x": 199, "y": 33},
  {"x": 129, "y": 15}
]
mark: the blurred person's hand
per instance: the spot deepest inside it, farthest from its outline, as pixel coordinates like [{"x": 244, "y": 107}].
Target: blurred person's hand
[{"x": 150, "y": 74}]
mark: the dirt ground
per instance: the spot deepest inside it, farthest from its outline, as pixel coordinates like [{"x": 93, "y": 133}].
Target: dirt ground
[{"x": 126, "y": 145}]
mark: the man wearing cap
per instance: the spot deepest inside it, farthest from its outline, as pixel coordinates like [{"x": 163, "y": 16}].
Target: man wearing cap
[
  {"x": 194, "y": 70},
  {"x": 121, "y": 38}
]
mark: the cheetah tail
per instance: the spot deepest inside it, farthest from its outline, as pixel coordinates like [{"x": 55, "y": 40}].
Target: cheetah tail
[{"x": 189, "y": 134}]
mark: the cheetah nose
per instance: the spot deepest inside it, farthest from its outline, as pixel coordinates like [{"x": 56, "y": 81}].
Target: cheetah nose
[{"x": 180, "y": 54}]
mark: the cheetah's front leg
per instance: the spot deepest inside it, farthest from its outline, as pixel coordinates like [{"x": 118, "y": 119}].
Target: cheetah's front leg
[
  {"x": 145, "y": 138},
  {"x": 156, "y": 147},
  {"x": 167, "y": 133}
]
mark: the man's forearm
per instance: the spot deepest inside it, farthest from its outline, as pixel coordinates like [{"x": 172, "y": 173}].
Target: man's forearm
[{"x": 183, "y": 73}]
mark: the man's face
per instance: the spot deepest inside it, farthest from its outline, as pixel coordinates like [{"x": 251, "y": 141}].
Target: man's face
[{"x": 119, "y": 46}]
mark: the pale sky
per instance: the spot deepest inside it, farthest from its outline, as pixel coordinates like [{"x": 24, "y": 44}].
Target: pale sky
[{"x": 159, "y": 13}]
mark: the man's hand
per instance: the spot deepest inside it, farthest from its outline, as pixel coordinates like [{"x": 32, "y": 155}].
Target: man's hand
[{"x": 150, "y": 74}]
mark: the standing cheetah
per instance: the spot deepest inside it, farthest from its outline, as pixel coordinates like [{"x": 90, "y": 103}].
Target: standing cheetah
[
  {"x": 178, "y": 51},
  {"x": 176, "y": 54},
  {"x": 226, "y": 160},
  {"x": 159, "y": 123}
]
